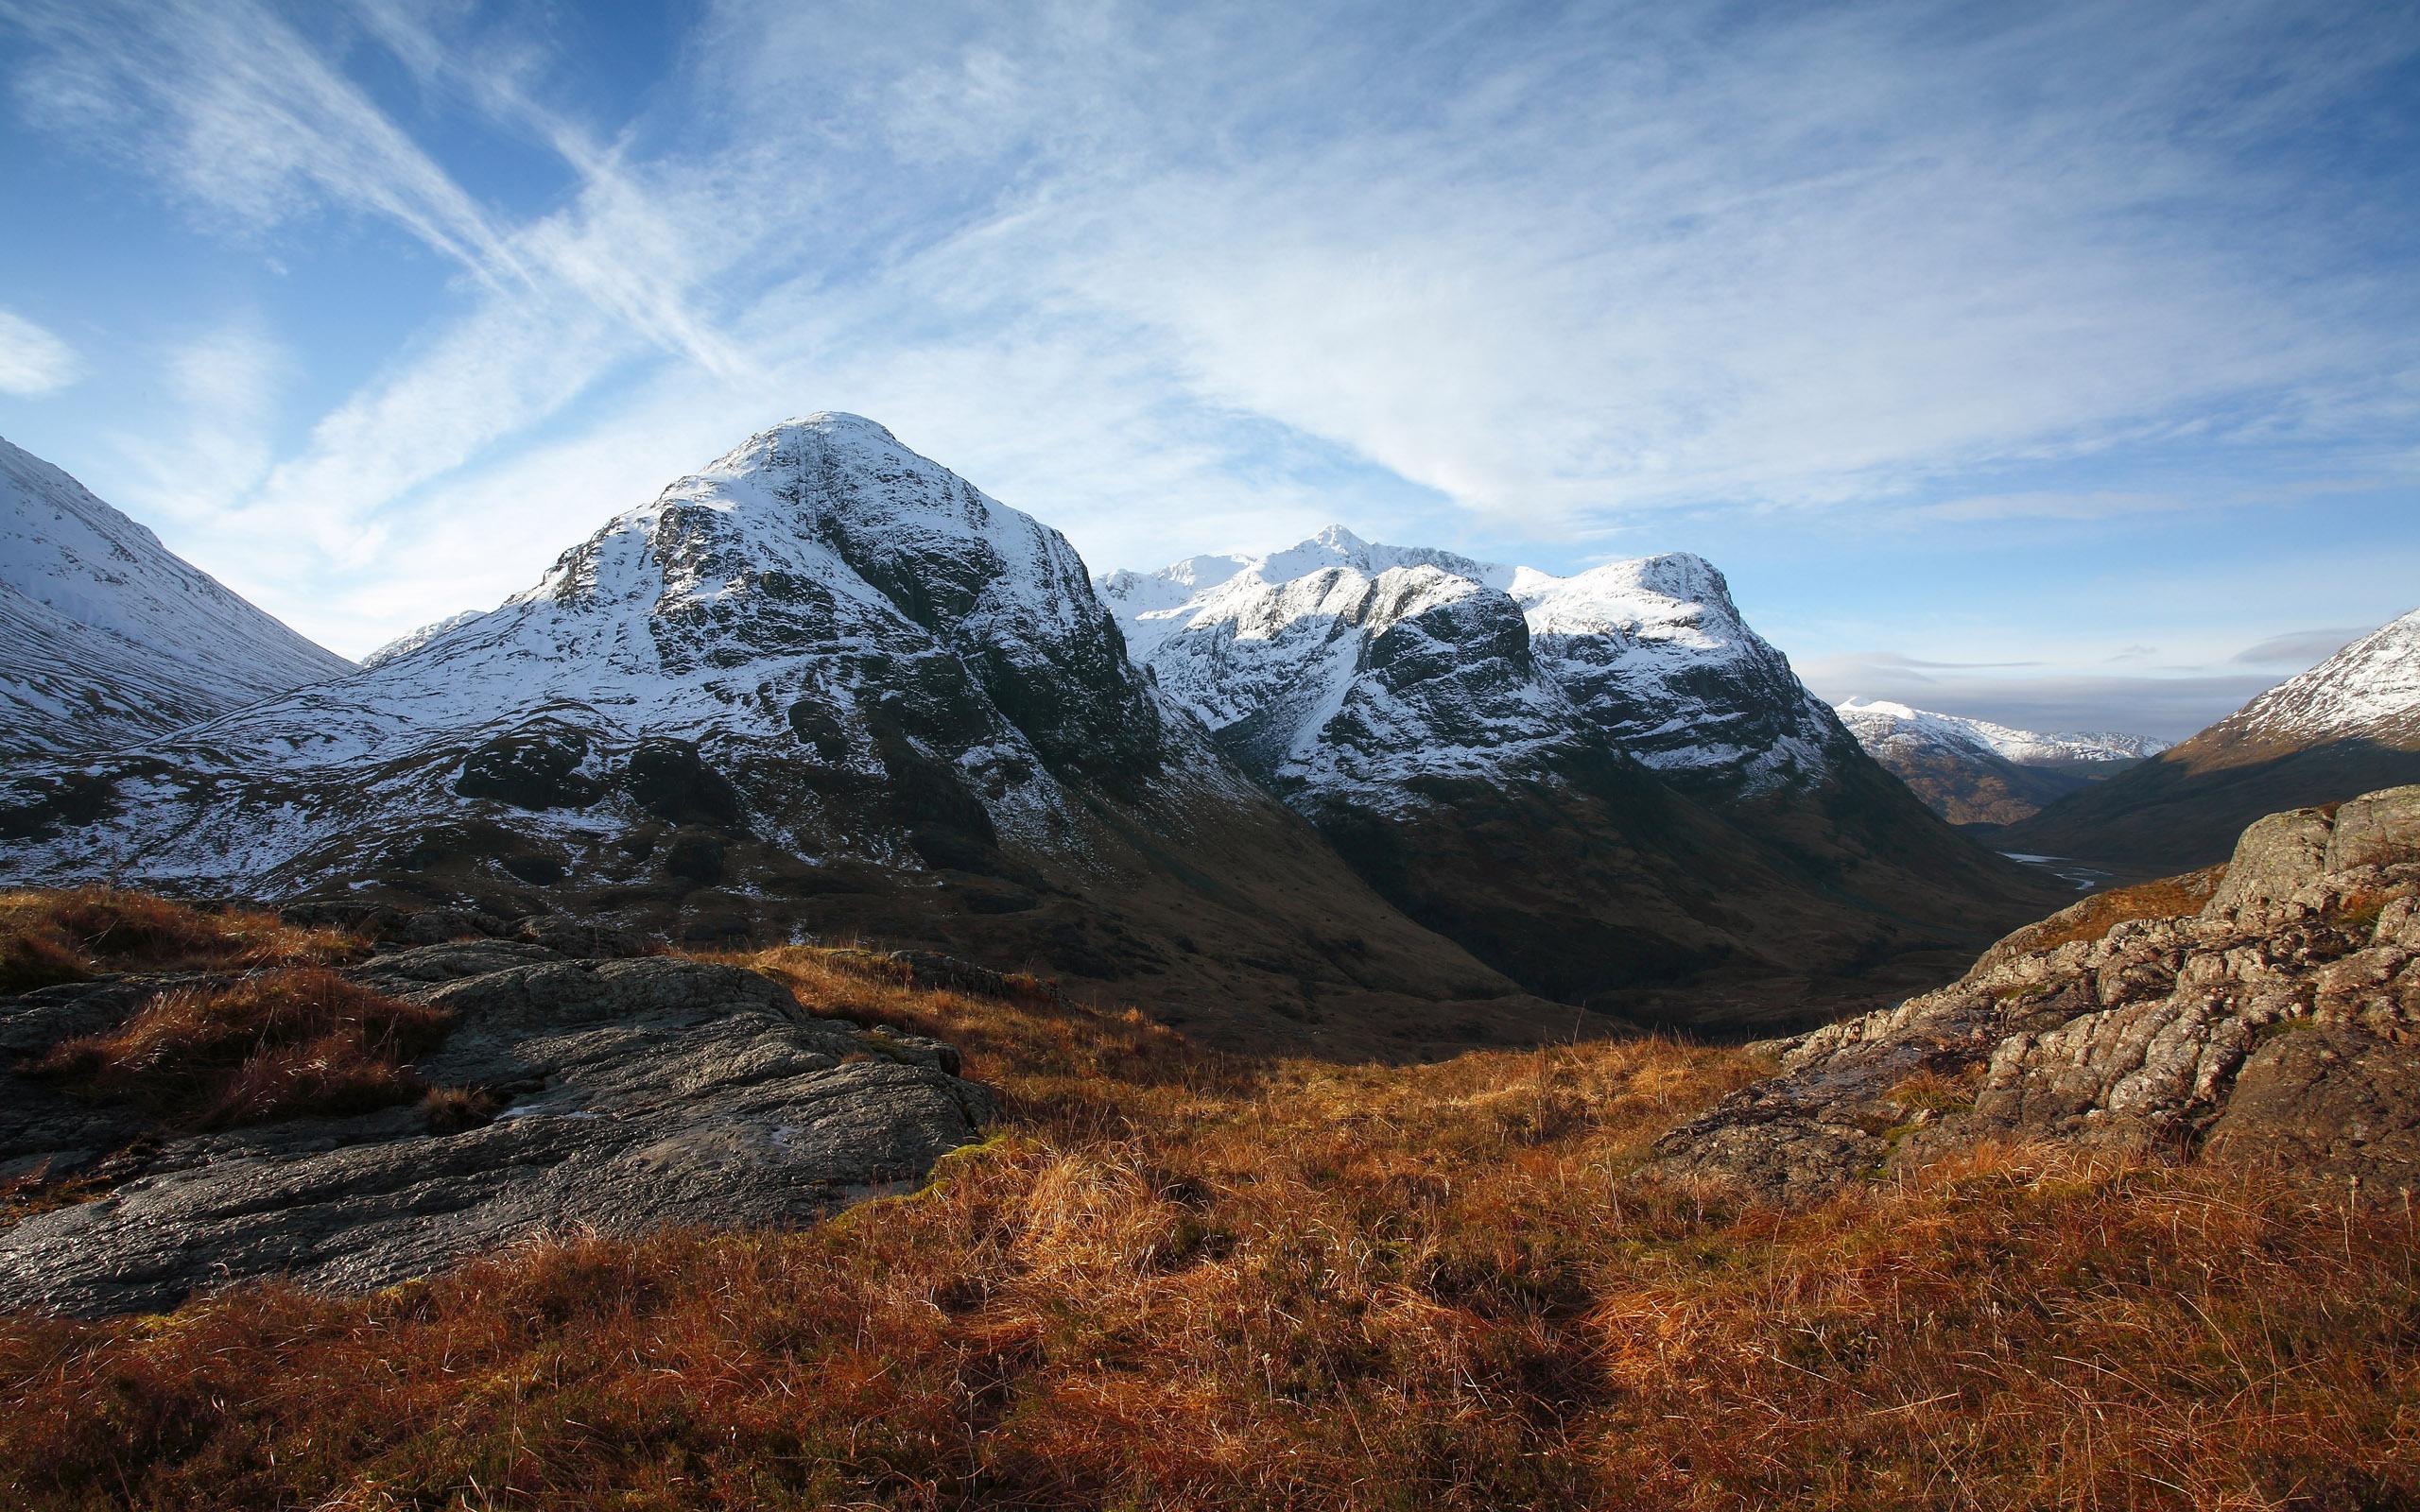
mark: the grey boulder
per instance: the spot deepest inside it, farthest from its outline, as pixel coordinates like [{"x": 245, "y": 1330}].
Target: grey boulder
[{"x": 638, "y": 1094}]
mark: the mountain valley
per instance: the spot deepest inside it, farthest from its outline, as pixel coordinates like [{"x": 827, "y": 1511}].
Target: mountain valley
[{"x": 1974, "y": 772}]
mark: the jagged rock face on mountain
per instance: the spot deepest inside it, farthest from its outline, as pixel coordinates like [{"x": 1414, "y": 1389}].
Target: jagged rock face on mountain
[
  {"x": 643, "y": 1094},
  {"x": 823, "y": 685},
  {"x": 2349, "y": 725},
  {"x": 1604, "y": 785},
  {"x": 2267, "y": 1010},
  {"x": 1973, "y": 771},
  {"x": 108, "y": 638},
  {"x": 1311, "y": 657}
]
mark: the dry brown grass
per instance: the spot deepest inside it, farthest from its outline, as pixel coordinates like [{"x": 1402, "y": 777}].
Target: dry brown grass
[
  {"x": 276, "y": 1044},
  {"x": 49, "y": 937},
  {"x": 1174, "y": 1280},
  {"x": 2094, "y": 918}
]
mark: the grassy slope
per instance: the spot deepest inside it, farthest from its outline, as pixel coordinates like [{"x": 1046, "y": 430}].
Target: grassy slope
[{"x": 1175, "y": 1279}]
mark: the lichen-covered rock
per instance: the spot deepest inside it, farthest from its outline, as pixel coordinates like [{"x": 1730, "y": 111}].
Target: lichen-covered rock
[
  {"x": 2276, "y": 1023},
  {"x": 628, "y": 1096}
]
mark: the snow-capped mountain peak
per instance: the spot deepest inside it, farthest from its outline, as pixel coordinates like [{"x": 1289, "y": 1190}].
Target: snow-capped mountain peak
[
  {"x": 818, "y": 585},
  {"x": 1152, "y": 605}
]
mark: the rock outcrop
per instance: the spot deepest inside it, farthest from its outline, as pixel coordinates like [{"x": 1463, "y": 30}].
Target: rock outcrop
[
  {"x": 2268, "y": 1010},
  {"x": 617, "y": 1095}
]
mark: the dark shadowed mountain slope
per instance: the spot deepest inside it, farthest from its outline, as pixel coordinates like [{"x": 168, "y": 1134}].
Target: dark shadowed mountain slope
[
  {"x": 2350, "y": 725},
  {"x": 1607, "y": 786},
  {"x": 107, "y": 637},
  {"x": 824, "y": 687}
]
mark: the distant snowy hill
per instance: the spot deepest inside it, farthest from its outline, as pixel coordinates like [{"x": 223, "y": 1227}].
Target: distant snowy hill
[
  {"x": 2349, "y": 726},
  {"x": 107, "y": 637},
  {"x": 822, "y": 685},
  {"x": 1973, "y": 771},
  {"x": 1599, "y": 783},
  {"x": 1875, "y": 721}
]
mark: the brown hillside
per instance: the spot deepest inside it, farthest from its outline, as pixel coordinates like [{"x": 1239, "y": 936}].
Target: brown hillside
[
  {"x": 2185, "y": 807},
  {"x": 1175, "y": 1280},
  {"x": 1968, "y": 788}
]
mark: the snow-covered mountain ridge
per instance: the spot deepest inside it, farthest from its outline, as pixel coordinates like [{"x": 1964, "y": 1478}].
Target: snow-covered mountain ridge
[
  {"x": 818, "y": 585},
  {"x": 1973, "y": 771},
  {"x": 1341, "y": 664},
  {"x": 1600, "y": 784},
  {"x": 1875, "y": 721},
  {"x": 821, "y": 687},
  {"x": 107, "y": 637}
]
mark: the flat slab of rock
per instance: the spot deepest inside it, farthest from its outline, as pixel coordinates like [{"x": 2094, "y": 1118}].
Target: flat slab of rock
[
  {"x": 640, "y": 1093},
  {"x": 2279, "y": 1023}
]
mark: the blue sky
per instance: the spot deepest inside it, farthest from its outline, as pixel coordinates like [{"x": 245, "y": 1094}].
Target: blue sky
[{"x": 2059, "y": 364}]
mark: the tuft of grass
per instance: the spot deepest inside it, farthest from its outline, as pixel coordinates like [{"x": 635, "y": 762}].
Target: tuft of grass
[
  {"x": 1930, "y": 1089},
  {"x": 66, "y": 935},
  {"x": 276, "y": 1044}
]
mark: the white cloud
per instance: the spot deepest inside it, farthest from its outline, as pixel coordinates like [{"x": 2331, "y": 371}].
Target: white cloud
[
  {"x": 2300, "y": 649},
  {"x": 1188, "y": 278},
  {"x": 33, "y": 361}
]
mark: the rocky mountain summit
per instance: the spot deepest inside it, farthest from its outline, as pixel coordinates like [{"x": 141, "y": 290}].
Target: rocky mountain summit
[
  {"x": 107, "y": 637},
  {"x": 1973, "y": 771},
  {"x": 633, "y": 1094},
  {"x": 1649, "y": 654},
  {"x": 2349, "y": 725},
  {"x": 822, "y": 687},
  {"x": 2268, "y": 1009},
  {"x": 1601, "y": 784}
]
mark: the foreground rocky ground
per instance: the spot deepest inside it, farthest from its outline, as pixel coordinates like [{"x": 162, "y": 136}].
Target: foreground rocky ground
[
  {"x": 605, "y": 1095},
  {"x": 2261, "y": 1011},
  {"x": 1170, "y": 1279}
]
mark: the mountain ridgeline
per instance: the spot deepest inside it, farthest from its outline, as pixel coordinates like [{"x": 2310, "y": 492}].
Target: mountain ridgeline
[
  {"x": 107, "y": 637},
  {"x": 823, "y": 689},
  {"x": 1973, "y": 771},
  {"x": 1604, "y": 786},
  {"x": 1362, "y": 800}
]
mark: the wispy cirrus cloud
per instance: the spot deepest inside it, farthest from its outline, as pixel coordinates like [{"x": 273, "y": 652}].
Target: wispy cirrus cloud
[
  {"x": 2300, "y": 649},
  {"x": 33, "y": 361},
  {"x": 229, "y": 105},
  {"x": 1181, "y": 278}
]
